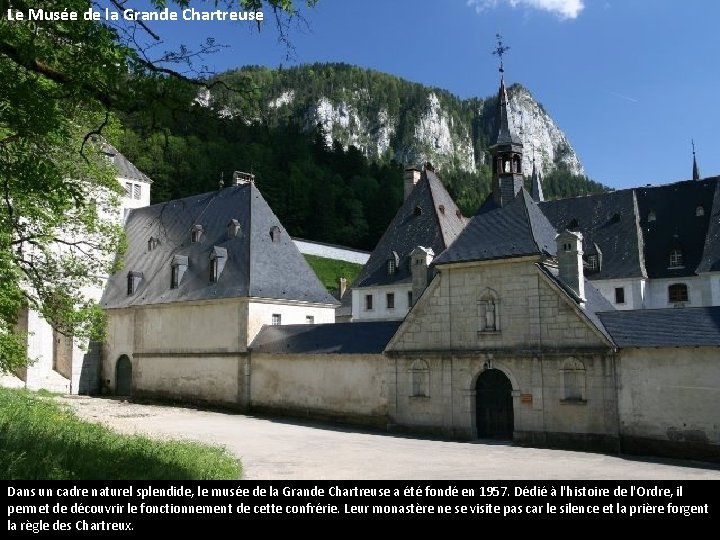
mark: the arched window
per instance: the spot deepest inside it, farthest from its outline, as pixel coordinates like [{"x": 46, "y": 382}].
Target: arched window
[
  {"x": 677, "y": 292},
  {"x": 573, "y": 380},
  {"x": 700, "y": 211},
  {"x": 488, "y": 312},
  {"x": 516, "y": 164},
  {"x": 419, "y": 379},
  {"x": 676, "y": 258}
]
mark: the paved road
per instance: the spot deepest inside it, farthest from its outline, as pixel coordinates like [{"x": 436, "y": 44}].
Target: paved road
[{"x": 283, "y": 449}]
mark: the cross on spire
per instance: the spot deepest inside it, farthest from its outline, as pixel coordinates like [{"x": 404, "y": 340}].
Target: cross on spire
[{"x": 500, "y": 50}]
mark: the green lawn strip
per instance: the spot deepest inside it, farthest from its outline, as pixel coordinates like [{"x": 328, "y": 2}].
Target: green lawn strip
[
  {"x": 329, "y": 271},
  {"x": 39, "y": 439}
]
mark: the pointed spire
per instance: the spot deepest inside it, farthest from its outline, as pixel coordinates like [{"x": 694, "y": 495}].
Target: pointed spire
[
  {"x": 505, "y": 132},
  {"x": 536, "y": 191},
  {"x": 696, "y": 170}
]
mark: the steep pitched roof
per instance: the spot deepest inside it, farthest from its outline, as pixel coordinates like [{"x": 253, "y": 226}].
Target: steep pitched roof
[
  {"x": 676, "y": 225},
  {"x": 428, "y": 218},
  {"x": 710, "y": 261},
  {"x": 609, "y": 220},
  {"x": 673, "y": 327},
  {"x": 519, "y": 228},
  {"x": 125, "y": 168},
  {"x": 255, "y": 266},
  {"x": 505, "y": 133},
  {"x": 338, "y": 338}
]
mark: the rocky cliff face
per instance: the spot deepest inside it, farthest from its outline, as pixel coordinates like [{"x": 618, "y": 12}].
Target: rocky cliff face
[{"x": 385, "y": 116}]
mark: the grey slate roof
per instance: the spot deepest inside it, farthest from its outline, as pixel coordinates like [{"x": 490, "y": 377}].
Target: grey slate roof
[
  {"x": 610, "y": 221},
  {"x": 676, "y": 224},
  {"x": 438, "y": 225},
  {"x": 338, "y": 338},
  {"x": 673, "y": 327},
  {"x": 255, "y": 266},
  {"x": 125, "y": 168},
  {"x": 711, "y": 252},
  {"x": 519, "y": 228},
  {"x": 505, "y": 133}
]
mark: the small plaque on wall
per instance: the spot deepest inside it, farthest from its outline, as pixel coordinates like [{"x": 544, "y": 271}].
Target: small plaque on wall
[{"x": 525, "y": 398}]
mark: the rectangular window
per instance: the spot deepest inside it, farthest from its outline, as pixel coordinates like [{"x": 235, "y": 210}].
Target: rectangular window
[
  {"x": 620, "y": 295},
  {"x": 213, "y": 270},
  {"x": 128, "y": 189},
  {"x": 368, "y": 302},
  {"x": 175, "y": 277},
  {"x": 276, "y": 319},
  {"x": 390, "y": 299},
  {"x": 136, "y": 191},
  {"x": 410, "y": 299},
  {"x": 309, "y": 319}
]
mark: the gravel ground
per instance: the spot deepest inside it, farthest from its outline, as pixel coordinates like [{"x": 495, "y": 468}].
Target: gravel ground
[{"x": 285, "y": 449}]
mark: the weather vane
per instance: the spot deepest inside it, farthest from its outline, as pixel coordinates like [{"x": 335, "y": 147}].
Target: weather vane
[
  {"x": 500, "y": 50},
  {"x": 692, "y": 141}
]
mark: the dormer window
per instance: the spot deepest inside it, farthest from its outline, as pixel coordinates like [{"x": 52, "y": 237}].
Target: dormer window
[
  {"x": 676, "y": 258},
  {"x": 128, "y": 190},
  {"x": 700, "y": 211},
  {"x": 233, "y": 228},
  {"x": 391, "y": 267},
  {"x": 572, "y": 224},
  {"x": 137, "y": 190},
  {"x": 418, "y": 211},
  {"x": 196, "y": 233},
  {"x": 593, "y": 265},
  {"x": 651, "y": 216},
  {"x": 441, "y": 208},
  {"x": 133, "y": 282},
  {"x": 152, "y": 243},
  {"x": 218, "y": 257},
  {"x": 275, "y": 233},
  {"x": 615, "y": 218},
  {"x": 178, "y": 267}
]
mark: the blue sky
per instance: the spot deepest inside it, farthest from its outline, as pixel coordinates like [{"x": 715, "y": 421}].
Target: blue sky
[{"x": 629, "y": 81}]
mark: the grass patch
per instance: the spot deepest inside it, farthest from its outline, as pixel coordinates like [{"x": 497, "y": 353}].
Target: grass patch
[
  {"x": 39, "y": 439},
  {"x": 329, "y": 271}
]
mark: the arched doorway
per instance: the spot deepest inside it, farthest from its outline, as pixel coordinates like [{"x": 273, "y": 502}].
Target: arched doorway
[
  {"x": 494, "y": 406},
  {"x": 123, "y": 376}
]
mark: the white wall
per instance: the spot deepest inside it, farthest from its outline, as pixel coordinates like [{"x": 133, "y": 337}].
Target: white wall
[
  {"x": 261, "y": 311},
  {"x": 656, "y": 294},
  {"x": 330, "y": 251},
  {"x": 380, "y": 312},
  {"x": 634, "y": 291}
]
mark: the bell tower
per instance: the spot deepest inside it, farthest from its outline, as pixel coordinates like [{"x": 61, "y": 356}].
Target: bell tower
[{"x": 506, "y": 150}]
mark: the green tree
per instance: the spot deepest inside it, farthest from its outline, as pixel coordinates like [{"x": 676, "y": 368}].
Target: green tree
[{"x": 62, "y": 84}]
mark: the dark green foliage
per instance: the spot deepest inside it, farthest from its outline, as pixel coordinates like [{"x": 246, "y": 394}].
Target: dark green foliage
[
  {"x": 324, "y": 194},
  {"x": 329, "y": 271}
]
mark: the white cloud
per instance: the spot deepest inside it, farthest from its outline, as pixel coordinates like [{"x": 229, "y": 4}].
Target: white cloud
[{"x": 565, "y": 9}]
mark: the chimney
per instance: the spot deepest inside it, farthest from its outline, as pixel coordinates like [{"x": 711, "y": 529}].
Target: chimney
[
  {"x": 412, "y": 177},
  {"x": 342, "y": 287},
  {"x": 240, "y": 178},
  {"x": 570, "y": 261},
  {"x": 420, "y": 260}
]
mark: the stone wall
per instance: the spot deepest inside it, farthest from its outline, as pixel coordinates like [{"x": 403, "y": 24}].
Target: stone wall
[
  {"x": 346, "y": 387},
  {"x": 669, "y": 401}
]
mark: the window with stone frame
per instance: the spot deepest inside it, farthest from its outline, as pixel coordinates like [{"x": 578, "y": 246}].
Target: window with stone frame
[
  {"x": 573, "y": 380},
  {"x": 390, "y": 300},
  {"x": 677, "y": 292},
  {"x": 368, "y": 302},
  {"x": 419, "y": 379}
]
